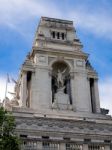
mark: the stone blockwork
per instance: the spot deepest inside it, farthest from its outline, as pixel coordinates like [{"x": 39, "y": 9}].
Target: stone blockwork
[
  {"x": 85, "y": 133},
  {"x": 56, "y": 127}
]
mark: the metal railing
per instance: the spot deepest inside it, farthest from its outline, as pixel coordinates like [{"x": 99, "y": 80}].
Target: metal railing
[
  {"x": 56, "y": 145},
  {"x": 95, "y": 147},
  {"x": 70, "y": 146}
]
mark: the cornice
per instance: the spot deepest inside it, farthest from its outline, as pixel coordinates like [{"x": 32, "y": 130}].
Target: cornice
[
  {"x": 61, "y": 127},
  {"x": 52, "y": 51}
]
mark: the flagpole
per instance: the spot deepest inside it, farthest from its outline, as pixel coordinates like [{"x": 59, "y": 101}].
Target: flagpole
[{"x": 7, "y": 80}]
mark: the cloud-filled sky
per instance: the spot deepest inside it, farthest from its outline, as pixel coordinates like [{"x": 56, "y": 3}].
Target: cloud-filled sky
[{"x": 93, "y": 23}]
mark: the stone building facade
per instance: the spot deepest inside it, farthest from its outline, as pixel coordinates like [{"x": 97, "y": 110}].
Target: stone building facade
[{"x": 57, "y": 103}]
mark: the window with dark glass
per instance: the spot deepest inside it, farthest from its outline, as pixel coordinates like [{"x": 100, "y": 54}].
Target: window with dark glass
[
  {"x": 53, "y": 34},
  {"x": 58, "y": 35},
  {"x": 63, "y": 36}
]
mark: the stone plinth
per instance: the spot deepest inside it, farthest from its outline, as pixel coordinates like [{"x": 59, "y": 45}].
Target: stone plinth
[{"x": 61, "y": 101}]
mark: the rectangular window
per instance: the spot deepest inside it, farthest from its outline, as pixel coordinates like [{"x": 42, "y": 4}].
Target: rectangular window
[
  {"x": 29, "y": 145},
  {"x": 87, "y": 140},
  {"x": 63, "y": 36},
  {"x": 58, "y": 35},
  {"x": 50, "y": 146}
]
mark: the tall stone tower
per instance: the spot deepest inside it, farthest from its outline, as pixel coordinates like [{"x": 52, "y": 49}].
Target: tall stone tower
[
  {"x": 58, "y": 96},
  {"x": 57, "y": 74}
]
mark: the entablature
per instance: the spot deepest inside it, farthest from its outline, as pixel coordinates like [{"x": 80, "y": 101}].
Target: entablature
[
  {"x": 53, "y": 51},
  {"x": 56, "y": 23},
  {"x": 60, "y": 127}
]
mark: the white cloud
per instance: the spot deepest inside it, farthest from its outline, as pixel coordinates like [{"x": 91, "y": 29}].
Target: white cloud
[
  {"x": 18, "y": 11},
  {"x": 10, "y": 88},
  {"x": 95, "y": 22},
  {"x": 105, "y": 89},
  {"x": 15, "y": 13}
]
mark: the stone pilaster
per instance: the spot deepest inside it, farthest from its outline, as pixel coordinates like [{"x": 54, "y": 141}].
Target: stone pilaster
[
  {"x": 62, "y": 146},
  {"x": 96, "y": 91},
  {"x": 24, "y": 89},
  {"x": 73, "y": 93},
  {"x": 107, "y": 147},
  {"x": 85, "y": 146},
  {"x": 89, "y": 95},
  {"x": 39, "y": 145}
]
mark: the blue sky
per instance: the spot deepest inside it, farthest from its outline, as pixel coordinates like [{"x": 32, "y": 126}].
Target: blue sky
[{"x": 93, "y": 23}]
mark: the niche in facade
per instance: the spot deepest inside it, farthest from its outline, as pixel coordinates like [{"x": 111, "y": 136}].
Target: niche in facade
[
  {"x": 92, "y": 94},
  {"x": 61, "y": 85},
  {"x": 29, "y": 75}
]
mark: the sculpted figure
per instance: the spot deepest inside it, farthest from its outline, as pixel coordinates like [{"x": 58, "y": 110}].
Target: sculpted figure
[{"x": 60, "y": 78}]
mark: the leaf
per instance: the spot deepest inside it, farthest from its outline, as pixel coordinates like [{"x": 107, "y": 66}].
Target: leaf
[{"x": 8, "y": 140}]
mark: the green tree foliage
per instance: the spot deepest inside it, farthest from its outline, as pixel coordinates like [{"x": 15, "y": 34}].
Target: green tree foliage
[{"x": 8, "y": 140}]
